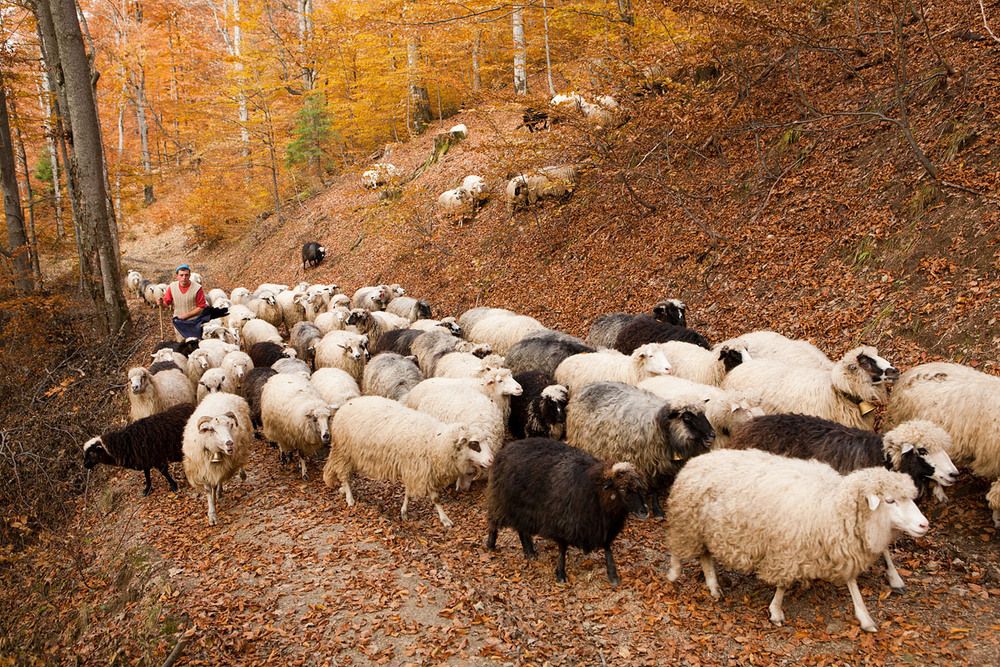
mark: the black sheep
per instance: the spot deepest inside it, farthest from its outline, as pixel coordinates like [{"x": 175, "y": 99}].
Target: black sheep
[
  {"x": 540, "y": 410},
  {"x": 312, "y": 254},
  {"x": 535, "y": 119},
  {"x": 164, "y": 366},
  {"x": 605, "y": 329},
  {"x": 398, "y": 341},
  {"x": 147, "y": 443},
  {"x": 543, "y": 351},
  {"x": 647, "y": 329},
  {"x": 844, "y": 448},
  {"x": 253, "y": 385},
  {"x": 185, "y": 347},
  {"x": 266, "y": 353},
  {"x": 545, "y": 487}
]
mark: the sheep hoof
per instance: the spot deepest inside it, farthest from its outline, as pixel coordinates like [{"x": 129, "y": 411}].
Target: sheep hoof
[
  {"x": 616, "y": 582},
  {"x": 898, "y": 589},
  {"x": 870, "y": 628},
  {"x": 145, "y": 492},
  {"x": 778, "y": 622}
]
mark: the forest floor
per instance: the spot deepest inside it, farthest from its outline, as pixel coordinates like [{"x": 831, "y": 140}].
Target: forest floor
[{"x": 830, "y": 236}]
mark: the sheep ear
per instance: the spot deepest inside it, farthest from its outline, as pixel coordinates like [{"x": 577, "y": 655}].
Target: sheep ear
[
  {"x": 907, "y": 448},
  {"x": 610, "y": 483},
  {"x": 873, "y": 501},
  {"x": 232, "y": 415}
]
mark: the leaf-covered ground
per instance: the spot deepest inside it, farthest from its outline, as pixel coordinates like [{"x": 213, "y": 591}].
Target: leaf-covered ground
[{"x": 831, "y": 236}]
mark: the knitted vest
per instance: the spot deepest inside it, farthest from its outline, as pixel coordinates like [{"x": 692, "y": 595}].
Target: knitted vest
[{"x": 184, "y": 303}]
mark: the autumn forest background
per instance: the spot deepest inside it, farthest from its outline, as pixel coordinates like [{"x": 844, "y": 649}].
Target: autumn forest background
[{"x": 827, "y": 169}]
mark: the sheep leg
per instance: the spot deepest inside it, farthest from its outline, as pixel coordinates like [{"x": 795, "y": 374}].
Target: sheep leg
[
  {"x": 345, "y": 488},
  {"x": 674, "y": 573},
  {"x": 302, "y": 465},
  {"x": 654, "y": 502},
  {"x": 436, "y": 499},
  {"x": 860, "y": 610},
  {"x": 895, "y": 581},
  {"x": 491, "y": 538},
  {"x": 149, "y": 484},
  {"x": 211, "y": 506},
  {"x": 777, "y": 614},
  {"x": 561, "y": 564},
  {"x": 406, "y": 502},
  {"x": 708, "y": 567},
  {"x": 165, "y": 471},
  {"x": 527, "y": 545},
  {"x": 609, "y": 562},
  {"x": 243, "y": 475}
]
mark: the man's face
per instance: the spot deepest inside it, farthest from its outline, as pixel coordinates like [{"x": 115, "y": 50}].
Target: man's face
[{"x": 184, "y": 277}]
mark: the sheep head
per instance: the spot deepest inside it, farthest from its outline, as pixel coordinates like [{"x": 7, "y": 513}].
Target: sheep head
[
  {"x": 319, "y": 422},
  {"x": 217, "y": 432},
  {"x": 926, "y": 441},
  {"x": 686, "y": 430},
  {"x": 651, "y": 360},
  {"x": 95, "y": 454},
  {"x": 501, "y": 382},
  {"x": 732, "y": 356},
  {"x": 625, "y": 485},
  {"x": 139, "y": 380},
  {"x": 469, "y": 451}
]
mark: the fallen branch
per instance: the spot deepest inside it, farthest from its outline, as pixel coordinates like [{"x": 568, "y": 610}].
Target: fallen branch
[
  {"x": 982, "y": 10},
  {"x": 650, "y": 209},
  {"x": 176, "y": 653}
]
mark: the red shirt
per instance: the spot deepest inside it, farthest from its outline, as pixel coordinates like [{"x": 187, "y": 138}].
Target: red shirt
[{"x": 199, "y": 297}]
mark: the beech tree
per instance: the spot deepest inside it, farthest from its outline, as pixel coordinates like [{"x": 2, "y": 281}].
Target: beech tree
[
  {"x": 100, "y": 270},
  {"x": 18, "y": 252}
]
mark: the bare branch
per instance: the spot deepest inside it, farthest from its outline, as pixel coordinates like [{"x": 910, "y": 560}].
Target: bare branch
[{"x": 982, "y": 10}]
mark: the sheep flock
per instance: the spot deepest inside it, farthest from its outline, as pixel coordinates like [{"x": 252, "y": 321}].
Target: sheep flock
[{"x": 763, "y": 447}]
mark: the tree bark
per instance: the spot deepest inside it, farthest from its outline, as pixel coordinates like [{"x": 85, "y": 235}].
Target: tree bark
[
  {"x": 548, "y": 57},
  {"x": 36, "y": 269},
  {"x": 100, "y": 267},
  {"x": 520, "y": 52},
  {"x": 477, "y": 81},
  {"x": 45, "y": 99},
  {"x": 19, "y": 252},
  {"x": 420, "y": 101}
]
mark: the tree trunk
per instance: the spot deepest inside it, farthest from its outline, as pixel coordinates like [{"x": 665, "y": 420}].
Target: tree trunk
[
  {"x": 36, "y": 269},
  {"x": 140, "y": 118},
  {"x": 19, "y": 252},
  {"x": 100, "y": 268},
  {"x": 305, "y": 9},
  {"x": 548, "y": 57},
  {"x": 520, "y": 53},
  {"x": 420, "y": 101},
  {"x": 45, "y": 99},
  {"x": 477, "y": 81}
]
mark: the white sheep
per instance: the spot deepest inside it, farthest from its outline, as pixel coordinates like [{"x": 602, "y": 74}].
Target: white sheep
[
  {"x": 724, "y": 408},
  {"x": 236, "y": 364},
  {"x": 215, "y": 295},
  {"x": 528, "y": 188},
  {"x": 198, "y": 362},
  {"x": 259, "y": 331},
  {"x": 238, "y": 316},
  {"x": 332, "y": 320},
  {"x": 455, "y": 205},
  {"x": 790, "y": 351},
  {"x": 846, "y": 394},
  {"x": 473, "y": 315},
  {"x": 373, "y": 297},
  {"x": 412, "y": 309},
  {"x": 344, "y": 350},
  {"x": 196, "y": 277},
  {"x": 292, "y": 307},
  {"x": 274, "y": 288},
  {"x": 265, "y": 307},
  {"x": 216, "y": 445},
  {"x": 211, "y": 382},
  {"x": 497, "y": 385},
  {"x": 335, "y": 386},
  {"x": 381, "y": 173},
  {"x": 153, "y": 292},
  {"x": 132, "y": 281},
  {"x": 217, "y": 350},
  {"x": 295, "y": 416},
  {"x": 476, "y": 187},
  {"x": 168, "y": 354},
  {"x": 501, "y": 332},
  {"x": 787, "y": 520},
  {"x": 459, "y": 131},
  {"x": 466, "y": 365},
  {"x": 962, "y": 401},
  {"x": 454, "y": 403},
  {"x": 377, "y": 437},
  {"x": 240, "y": 296},
  {"x": 578, "y": 370},
  {"x": 695, "y": 363},
  {"x": 448, "y": 324},
  {"x": 149, "y": 394}
]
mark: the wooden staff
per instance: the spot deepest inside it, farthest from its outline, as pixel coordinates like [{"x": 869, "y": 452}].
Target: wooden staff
[{"x": 159, "y": 310}]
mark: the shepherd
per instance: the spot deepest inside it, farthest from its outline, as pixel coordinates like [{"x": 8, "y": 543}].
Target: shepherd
[{"x": 191, "y": 310}]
